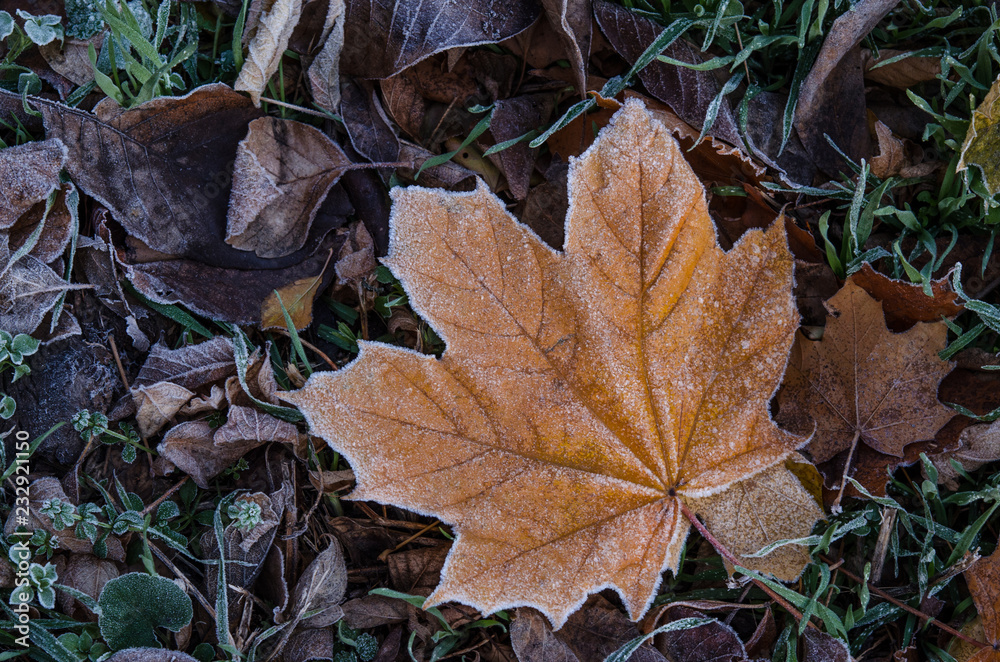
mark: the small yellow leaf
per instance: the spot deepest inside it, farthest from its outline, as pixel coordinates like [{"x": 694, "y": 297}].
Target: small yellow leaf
[{"x": 982, "y": 140}]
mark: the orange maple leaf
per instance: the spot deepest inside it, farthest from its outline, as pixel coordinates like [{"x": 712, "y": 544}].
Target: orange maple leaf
[{"x": 584, "y": 395}]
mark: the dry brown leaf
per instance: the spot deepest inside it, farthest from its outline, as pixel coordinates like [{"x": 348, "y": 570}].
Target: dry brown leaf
[
  {"x": 904, "y": 303},
  {"x": 157, "y": 404},
  {"x": 572, "y": 21},
  {"x": 85, "y": 573},
  {"x": 29, "y": 288},
  {"x": 902, "y": 74},
  {"x": 190, "y": 446},
  {"x": 321, "y": 587},
  {"x": 584, "y": 396},
  {"x": 324, "y": 71},
  {"x": 980, "y": 444},
  {"x": 283, "y": 171},
  {"x": 267, "y": 45},
  {"x": 249, "y": 425},
  {"x": 891, "y": 159},
  {"x": 863, "y": 384},
  {"x": 56, "y": 233},
  {"x": 983, "y": 579},
  {"x": 29, "y": 173}
]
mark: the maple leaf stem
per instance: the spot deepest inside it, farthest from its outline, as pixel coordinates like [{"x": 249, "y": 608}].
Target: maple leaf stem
[
  {"x": 729, "y": 556},
  {"x": 835, "y": 508},
  {"x": 902, "y": 605}
]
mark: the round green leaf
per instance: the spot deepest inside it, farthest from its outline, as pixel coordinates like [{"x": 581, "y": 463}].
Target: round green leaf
[{"x": 134, "y": 604}]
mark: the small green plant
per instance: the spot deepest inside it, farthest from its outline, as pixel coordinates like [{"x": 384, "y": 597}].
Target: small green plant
[
  {"x": 83, "y": 646},
  {"x": 245, "y": 514},
  {"x": 41, "y": 580},
  {"x": 92, "y": 425},
  {"x": 13, "y": 351}
]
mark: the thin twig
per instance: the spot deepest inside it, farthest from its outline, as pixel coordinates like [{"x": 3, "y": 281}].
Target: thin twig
[
  {"x": 916, "y": 612},
  {"x": 292, "y": 106},
  {"x": 118, "y": 361},
  {"x": 166, "y": 495},
  {"x": 306, "y": 343},
  {"x": 385, "y": 553},
  {"x": 729, "y": 556}
]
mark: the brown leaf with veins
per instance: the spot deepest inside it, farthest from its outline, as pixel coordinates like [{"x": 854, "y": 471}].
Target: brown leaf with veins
[
  {"x": 29, "y": 173},
  {"x": 983, "y": 579},
  {"x": 268, "y": 41},
  {"x": 904, "y": 303},
  {"x": 584, "y": 395},
  {"x": 283, "y": 171},
  {"x": 863, "y": 385}
]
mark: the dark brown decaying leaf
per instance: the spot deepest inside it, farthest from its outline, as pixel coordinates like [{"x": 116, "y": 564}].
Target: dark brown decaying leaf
[
  {"x": 686, "y": 91},
  {"x": 381, "y": 38},
  {"x": 832, "y": 96},
  {"x": 902, "y": 74},
  {"x": 712, "y": 642},
  {"x": 864, "y": 385},
  {"x": 190, "y": 446},
  {"x": 236, "y": 295},
  {"x": 367, "y": 125},
  {"x": 371, "y": 611},
  {"x": 87, "y": 574},
  {"x": 904, "y": 303},
  {"x": 150, "y": 655},
  {"x": 28, "y": 173},
  {"x": 592, "y": 633},
  {"x": 572, "y": 22},
  {"x": 163, "y": 168},
  {"x": 283, "y": 172},
  {"x": 820, "y": 647},
  {"x": 512, "y": 118}
]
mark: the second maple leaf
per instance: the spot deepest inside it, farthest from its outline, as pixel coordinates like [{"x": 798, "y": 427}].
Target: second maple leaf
[{"x": 584, "y": 395}]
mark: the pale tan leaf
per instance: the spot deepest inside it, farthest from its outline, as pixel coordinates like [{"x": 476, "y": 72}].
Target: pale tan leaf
[
  {"x": 249, "y": 425},
  {"x": 324, "y": 72},
  {"x": 267, "y": 45},
  {"x": 157, "y": 404},
  {"x": 755, "y": 512},
  {"x": 982, "y": 139},
  {"x": 583, "y": 395},
  {"x": 28, "y": 290},
  {"x": 283, "y": 171},
  {"x": 322, "y": 587}
]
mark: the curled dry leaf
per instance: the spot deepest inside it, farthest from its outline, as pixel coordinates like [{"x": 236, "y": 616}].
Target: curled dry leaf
[
  {"x": 832, "y": 97},
  {"x": 864, "y": 385},
  {"x": 157, "y": 404},
  {"x": 904, "y": 303},
  {"x": 584, "y": 395},
  {"x": 572, "y": 21},
  {"x": 190, "y": 366},
  {"x": 56, "y": 233},
  {"x": 267, "y": 45},
  {"x": 28, "y": 173},
  {"x": 324, "y": 72},
  {"x": 982, "y": 139},
  {"x": 891, "y": 159},
  {"x": 983, "y": 578},
  {"x": 383, "y": 38},
  {"x": 282, "y": 174},
  {"x": 367, "y": 125},
  {"x": 980, "y": 444},
  {"x": 321, "y": 587}
]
